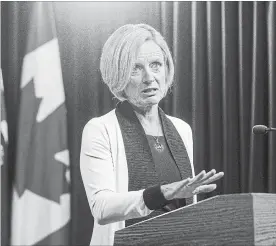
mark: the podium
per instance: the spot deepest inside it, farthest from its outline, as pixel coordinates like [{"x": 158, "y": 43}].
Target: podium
[{"x": 236, "y": 219}]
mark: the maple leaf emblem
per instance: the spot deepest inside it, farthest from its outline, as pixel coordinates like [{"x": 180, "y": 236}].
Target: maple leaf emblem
[{"x": 38, "y": 144}]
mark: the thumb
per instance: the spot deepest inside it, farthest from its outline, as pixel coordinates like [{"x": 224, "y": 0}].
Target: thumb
[{"x": 205, "y": 188}]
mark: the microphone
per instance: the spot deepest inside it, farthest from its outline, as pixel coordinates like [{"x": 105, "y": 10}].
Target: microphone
[{"x": 261, "y": 129}]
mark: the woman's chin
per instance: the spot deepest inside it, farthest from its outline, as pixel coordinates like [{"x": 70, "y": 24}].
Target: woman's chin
[
  {"x": 146, "y": 101},
  {"x": 152, "y": 100}
]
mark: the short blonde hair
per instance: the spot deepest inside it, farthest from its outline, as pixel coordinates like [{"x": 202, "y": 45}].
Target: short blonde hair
[{"x": 120, "y": 53}]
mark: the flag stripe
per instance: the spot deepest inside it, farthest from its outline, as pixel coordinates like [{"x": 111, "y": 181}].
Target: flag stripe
[{"x": 42, "y": 28}]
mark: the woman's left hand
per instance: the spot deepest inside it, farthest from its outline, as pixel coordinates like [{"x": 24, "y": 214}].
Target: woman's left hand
[{"x": 186, "y": 188}]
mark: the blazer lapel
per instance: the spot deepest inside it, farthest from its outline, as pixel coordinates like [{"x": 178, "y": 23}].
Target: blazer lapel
[{"x": 141, "y": 168}]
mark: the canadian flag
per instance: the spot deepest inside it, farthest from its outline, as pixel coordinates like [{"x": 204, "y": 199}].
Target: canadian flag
[{"x": 41, "y": 192}]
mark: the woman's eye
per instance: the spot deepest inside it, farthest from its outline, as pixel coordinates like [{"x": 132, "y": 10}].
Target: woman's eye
[
  {"x": 156, "y": 65},
  {"x": 136, "y": 69}
]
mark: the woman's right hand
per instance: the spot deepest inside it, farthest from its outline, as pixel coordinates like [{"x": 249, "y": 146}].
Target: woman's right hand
[{"x": 186, "y": 188}]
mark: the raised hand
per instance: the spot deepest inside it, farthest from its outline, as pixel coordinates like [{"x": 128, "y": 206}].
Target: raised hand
[{"x": 201, "y": 183}]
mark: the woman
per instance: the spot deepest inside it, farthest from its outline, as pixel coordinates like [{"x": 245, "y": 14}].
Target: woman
[{"x": 136, "y": 162}]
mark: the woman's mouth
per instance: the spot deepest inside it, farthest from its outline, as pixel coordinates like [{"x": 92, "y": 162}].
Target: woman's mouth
[{"x": 149, "y": 91}]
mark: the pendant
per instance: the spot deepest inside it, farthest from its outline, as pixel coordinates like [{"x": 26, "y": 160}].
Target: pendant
[{"x": 158, "y": 146}]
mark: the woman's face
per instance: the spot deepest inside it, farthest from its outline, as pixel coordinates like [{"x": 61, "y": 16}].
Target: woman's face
[{"x": 147, "y": 82}]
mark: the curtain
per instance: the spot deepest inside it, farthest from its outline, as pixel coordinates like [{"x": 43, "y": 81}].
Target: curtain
[{"x": 224, "y": 54}]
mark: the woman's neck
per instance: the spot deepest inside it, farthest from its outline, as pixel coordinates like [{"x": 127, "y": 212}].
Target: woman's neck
[
  {"x": 149, "y": 119},
  {"x": 149, "y": 114}
]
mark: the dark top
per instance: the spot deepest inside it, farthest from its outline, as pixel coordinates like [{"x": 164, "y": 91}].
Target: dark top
[
  {"x": 165, "y": 165},
  {"x": 166, "y": 168}
]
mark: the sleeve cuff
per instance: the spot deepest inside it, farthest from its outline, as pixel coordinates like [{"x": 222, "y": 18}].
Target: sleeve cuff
[{"x": 154, "y": 198}]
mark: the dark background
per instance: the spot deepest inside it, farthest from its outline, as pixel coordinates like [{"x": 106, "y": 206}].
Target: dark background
[{"x": 224, "y": 54}]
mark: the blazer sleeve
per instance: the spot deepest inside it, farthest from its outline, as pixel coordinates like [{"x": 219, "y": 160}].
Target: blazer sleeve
[
  {"x": 185, "y": 131},
  {"x": 97, "y": 172},
  {"x": 187, "y": 136}
]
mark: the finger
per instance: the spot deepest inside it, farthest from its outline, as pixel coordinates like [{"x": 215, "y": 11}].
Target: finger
[
  {"x": 197, "y": 178},
  {"x": 204, "y": 189},
  {"x": 214, "y": 178},
  {"x": 207, "y": 176}
]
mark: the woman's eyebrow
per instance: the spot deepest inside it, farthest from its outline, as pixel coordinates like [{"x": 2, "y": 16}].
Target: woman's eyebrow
[
  {"x": 138, "y": 63},
  {"x": 156, "y": 59}
]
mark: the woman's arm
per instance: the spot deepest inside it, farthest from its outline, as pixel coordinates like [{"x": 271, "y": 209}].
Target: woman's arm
[{"x": 97, "y": 171}]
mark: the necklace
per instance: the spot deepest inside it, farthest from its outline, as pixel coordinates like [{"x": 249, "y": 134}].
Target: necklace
[{"x": 158, "y": 146}]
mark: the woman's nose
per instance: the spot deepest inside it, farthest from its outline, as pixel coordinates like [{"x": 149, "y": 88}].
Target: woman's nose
[{"x": 148, "y": 76}]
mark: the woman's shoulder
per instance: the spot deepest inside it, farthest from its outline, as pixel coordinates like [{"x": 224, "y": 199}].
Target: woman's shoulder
[
  {"x": 100, "y": 122},
  {"x": 179, "y": 123},
  {"x": 185, "y": 131}
]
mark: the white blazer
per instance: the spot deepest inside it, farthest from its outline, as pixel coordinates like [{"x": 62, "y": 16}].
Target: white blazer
[{"x": 104, "y": 172}]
